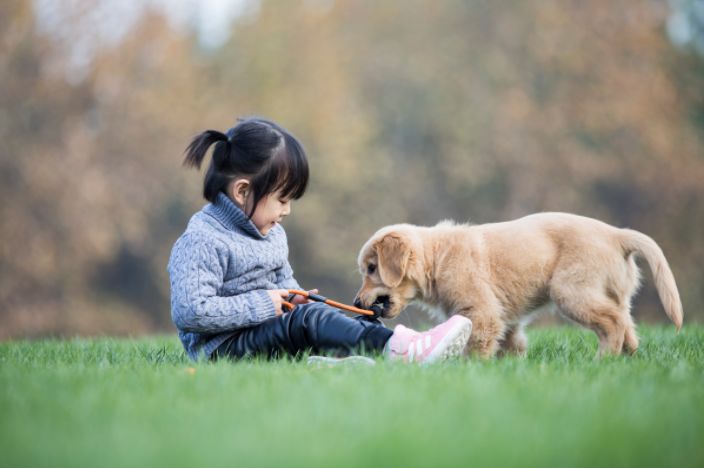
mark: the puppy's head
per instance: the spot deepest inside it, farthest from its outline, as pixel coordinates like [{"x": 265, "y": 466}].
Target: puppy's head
[{"x": 386, "y": 261}]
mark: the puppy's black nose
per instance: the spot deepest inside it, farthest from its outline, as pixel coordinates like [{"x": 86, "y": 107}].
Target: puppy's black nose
[{"x": 358, "y": 303}]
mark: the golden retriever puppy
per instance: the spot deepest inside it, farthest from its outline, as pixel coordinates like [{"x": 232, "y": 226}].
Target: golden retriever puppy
[{"x": 496, "y": 273}]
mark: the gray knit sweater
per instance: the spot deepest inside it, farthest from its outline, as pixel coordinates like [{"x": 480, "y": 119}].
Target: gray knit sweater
[{"x": 220, "y": 269}]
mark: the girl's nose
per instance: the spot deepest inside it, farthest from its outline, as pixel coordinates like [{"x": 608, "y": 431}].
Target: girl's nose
[{"x": 287, "y": 209}]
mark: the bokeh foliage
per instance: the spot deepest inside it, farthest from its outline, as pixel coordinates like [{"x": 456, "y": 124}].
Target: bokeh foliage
[{"x": 410, "y": 112}]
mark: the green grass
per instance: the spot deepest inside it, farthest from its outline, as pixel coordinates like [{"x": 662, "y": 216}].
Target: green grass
[{"x": 121, "y": 402}]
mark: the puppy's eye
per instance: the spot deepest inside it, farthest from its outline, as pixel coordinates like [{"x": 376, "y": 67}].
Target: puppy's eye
[{"x": 371, "y": 269}]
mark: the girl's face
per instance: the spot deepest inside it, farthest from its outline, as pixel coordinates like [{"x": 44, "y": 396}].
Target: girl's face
[{"x": 270, "y": 210}]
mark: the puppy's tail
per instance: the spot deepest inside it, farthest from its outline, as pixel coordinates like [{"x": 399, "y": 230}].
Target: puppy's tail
[{"x": 637, "y": 242}]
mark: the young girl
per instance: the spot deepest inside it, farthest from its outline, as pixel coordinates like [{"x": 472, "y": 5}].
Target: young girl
[{"x": 230, "y": 272}]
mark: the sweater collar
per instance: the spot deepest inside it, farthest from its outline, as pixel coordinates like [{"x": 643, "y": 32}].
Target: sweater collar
[{"x": 231, "y": 216}]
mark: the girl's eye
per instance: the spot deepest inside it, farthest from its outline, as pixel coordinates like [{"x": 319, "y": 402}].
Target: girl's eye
[{"x": 371, "y": 268}]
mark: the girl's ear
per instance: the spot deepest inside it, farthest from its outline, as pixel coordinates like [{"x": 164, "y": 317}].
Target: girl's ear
[{"x": 239, "y": 190}]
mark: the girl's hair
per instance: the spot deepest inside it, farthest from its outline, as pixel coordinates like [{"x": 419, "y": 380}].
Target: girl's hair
[{"x": 258, "y": 149}]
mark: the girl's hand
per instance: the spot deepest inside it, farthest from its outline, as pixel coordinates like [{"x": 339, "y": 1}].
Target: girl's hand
[
  {"x": 303, "y": 300},
  {"x": 278, "y": 296}
]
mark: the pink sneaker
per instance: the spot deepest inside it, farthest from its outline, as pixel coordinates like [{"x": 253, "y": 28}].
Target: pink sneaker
[{"x": 437, "y": 344}]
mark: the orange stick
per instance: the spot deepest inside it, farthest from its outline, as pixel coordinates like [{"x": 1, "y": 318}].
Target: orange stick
[{"x": 330, "y": 302}]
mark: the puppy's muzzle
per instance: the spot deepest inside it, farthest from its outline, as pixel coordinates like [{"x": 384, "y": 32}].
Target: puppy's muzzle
[{"x": 379, "y": 306}]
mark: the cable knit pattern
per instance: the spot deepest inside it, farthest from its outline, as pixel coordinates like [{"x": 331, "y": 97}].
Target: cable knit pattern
[{"x": 220, "y": 269}]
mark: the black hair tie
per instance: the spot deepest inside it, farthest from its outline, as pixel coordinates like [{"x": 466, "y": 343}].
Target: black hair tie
[{"x": 229, "y": 134}]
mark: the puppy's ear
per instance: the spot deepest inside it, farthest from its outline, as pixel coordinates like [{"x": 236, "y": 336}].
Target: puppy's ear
[{"x": 393, "y": 254}]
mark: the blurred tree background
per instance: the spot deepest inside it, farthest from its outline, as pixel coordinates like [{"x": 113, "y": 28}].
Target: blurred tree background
[{"x": 410, "y": 111}]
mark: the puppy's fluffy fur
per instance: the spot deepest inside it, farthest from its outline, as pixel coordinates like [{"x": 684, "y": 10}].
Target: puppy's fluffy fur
[{"x": 496, "y": 273}]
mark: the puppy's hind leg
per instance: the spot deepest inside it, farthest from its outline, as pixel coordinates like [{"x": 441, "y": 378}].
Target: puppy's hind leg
[
  {"x": 629, "y": 285},
  {"x": 630, "y": 337},
  {"x": 606, "y": 319}
]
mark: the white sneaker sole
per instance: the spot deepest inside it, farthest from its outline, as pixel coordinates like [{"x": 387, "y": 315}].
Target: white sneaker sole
[
  {"x": 452, "y": 345},
  {"x": 325, "y": 361}
]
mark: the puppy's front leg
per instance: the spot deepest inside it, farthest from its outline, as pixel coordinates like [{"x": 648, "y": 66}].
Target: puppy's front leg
[
  {"x": 514, "y": 341},
  {"x": 487, "y": 328}
]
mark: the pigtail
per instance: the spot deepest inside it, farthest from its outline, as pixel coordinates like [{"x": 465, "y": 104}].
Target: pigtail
[{"x": 195, "y": 153}]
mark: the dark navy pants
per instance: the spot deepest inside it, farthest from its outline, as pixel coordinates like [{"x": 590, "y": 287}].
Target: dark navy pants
[{"x": 315, "y": 327}]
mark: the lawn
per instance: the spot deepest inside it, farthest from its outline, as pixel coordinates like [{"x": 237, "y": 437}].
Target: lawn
[{"x": 140, "y": 402}]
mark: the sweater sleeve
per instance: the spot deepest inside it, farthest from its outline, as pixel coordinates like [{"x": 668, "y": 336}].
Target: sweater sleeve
[
  {"x": 196, "y": 273},
  {"x": 285, "y": 279}
]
